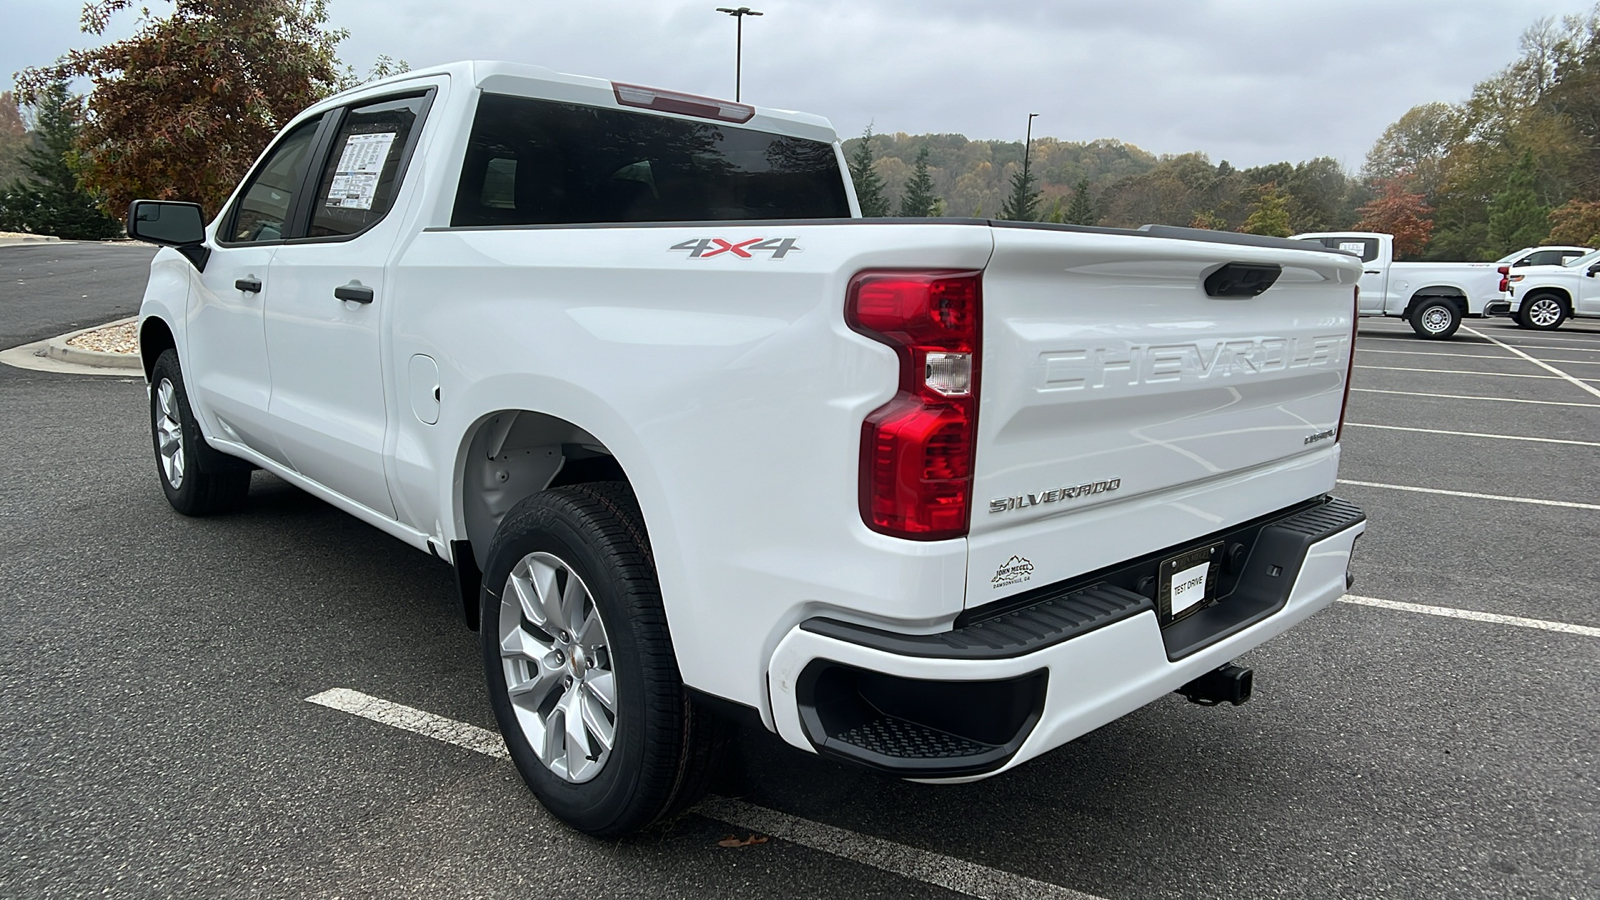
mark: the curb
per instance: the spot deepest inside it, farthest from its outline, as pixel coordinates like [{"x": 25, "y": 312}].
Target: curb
[
  {"x": 56, "y": 348},
  {"x": 29, "y": 239}
]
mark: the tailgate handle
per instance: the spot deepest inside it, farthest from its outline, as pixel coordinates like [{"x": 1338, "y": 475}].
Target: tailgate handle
[{"x": 1242, "y": 279}]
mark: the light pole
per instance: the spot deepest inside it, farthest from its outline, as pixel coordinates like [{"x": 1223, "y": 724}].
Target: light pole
[
  {"x": 738, "y": 53},
  {"x": 1027, "y": 146}
]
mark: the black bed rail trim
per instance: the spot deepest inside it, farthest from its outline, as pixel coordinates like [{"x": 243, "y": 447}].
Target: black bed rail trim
[
  {"x": 1169, "y": 232},
  {"x": 1255, "y": 584},
  {"x": 1052, "y": 619}
]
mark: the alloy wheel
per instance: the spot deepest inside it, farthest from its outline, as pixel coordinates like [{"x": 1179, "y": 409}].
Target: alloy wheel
[
  {"x": 169, "y": 433},
  {"x": 557, "y": 663}
]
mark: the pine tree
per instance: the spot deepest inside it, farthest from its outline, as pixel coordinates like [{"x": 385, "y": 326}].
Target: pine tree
[
  {"x": 1023, "y": 204},
  {"x": 51, "y": 200},
  {"x": 1270, "y": 214},
  {"x": 1057, "y": 214},
  {"x": 1081, "y": 211},
  {"x": 1516, "y": 217},
  {"x": 869, "y": 184},
  {"x": 918, "y": 199}
]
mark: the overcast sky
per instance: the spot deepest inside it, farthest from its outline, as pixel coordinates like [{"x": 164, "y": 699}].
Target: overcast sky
[{"x": 1249, "y": 81}]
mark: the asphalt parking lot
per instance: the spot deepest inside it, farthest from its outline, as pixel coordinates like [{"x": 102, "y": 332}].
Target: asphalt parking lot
[{"x": 1435, "y": 737}]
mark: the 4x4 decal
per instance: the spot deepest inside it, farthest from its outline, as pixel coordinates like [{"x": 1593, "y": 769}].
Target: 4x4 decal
[{"x": 705, "y": 248}]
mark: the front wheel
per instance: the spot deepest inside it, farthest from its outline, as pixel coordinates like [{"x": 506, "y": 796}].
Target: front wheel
[
  {"x": 580, "y": 665},
  {"x": 1542, "y": 312},
  {"x": 189, "y": 485},
  {"x": 1435, "y": 317}
]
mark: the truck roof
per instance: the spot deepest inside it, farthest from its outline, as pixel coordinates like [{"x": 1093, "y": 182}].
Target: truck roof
[{"x": 522, "y": 79}]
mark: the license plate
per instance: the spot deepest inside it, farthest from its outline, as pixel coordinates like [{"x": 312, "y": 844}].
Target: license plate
[{"x": 1189, "y": 582}]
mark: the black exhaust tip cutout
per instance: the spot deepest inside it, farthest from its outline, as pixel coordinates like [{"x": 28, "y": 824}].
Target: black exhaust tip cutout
[{"x": 1229, "y": 684}]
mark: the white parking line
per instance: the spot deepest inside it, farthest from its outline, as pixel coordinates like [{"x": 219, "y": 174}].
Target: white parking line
[
  {"x": 1474, "y": 397},
  {"x": 1572, "y": 347},
  {"x": 925, "y": 866},
  {"x": 1431, "y": 353},
  {"x": 1541, "y": 363},
  {"x": 1476, "y": 434},
  {"x": 1471, "y": 495},
  {"x": 1450, "y": 612},
  {"x": 1458, "y": 372}
]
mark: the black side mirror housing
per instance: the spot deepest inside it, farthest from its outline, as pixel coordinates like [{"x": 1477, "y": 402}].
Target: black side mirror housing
[{"x": 170, "y": 223}]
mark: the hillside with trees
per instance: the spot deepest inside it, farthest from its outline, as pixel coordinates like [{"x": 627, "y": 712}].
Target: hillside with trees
[{"x": 181, "y": 108}]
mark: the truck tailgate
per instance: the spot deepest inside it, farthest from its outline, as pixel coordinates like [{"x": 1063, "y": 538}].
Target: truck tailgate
[{"x": 1121, "y": 406}]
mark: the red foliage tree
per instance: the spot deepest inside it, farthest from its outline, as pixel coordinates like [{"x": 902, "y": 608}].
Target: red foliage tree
[
  {"x": 1400, "y": 213},
  {"x": 181, "y": 109}
]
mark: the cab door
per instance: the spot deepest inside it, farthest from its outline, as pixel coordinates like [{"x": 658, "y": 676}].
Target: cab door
[
  {"x": 1587, "y": 301},
  {"x": 324, "y": 334},
  {"x": 226, "y": 339}
]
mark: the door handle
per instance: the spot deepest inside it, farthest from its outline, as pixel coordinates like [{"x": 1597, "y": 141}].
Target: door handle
[
  {"x": 248, "y": 285},
  {"x": 355, "y": 293},
  {"x": 1374, "y": 272}
]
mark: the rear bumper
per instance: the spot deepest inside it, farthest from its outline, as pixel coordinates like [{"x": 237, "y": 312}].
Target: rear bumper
[
  {"x": 982, "y": 698},
  {"x": 1497, "y": 308}
]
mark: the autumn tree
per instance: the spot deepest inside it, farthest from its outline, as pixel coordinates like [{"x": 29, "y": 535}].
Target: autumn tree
[
  {"x": 1577, "y": 222},
  {"x": 1414, "y": 148},
  {"x": 918, "y": 199},
  {"x": 1081, "y": 210},
  {"x": 50, "y": 200},
  {"x": 869, "y": 185},
  {"x": 13, "y": 139},
  {"x": 1270, "y": 213},
  {"x": 182, "y": 108},
  {"x": 1400, "y": 213}
]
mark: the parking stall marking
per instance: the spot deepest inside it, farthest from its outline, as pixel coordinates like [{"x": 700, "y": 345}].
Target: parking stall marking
[
  {"x": 1567, "y": 504},
  {"x": 1540, "y": 363},
  {"x": 1450, "y": 612},
  {"x": 1476, "y": 434},
  {"x": 1462, "y": 372},
  {"x": 1432, "y": 353},
  {"x": 925, "y": 866},
  {"x": 1357, "y": 390}
]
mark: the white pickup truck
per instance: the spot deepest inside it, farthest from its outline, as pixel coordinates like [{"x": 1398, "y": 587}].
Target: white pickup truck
[
  {"x": 1543, "y": 297},
  {"x": 1433, "y": 297},
  {"x": 927, "y": 496}
]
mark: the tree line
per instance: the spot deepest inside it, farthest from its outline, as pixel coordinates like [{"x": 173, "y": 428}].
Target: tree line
[{"x": 181, "y": 109}]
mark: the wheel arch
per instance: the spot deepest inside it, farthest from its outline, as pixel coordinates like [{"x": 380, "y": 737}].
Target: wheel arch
[
  {"x": 1439, "y": 291},
  {"x": 155, "y": 337},
  {"x": 1558, "y": 292}
]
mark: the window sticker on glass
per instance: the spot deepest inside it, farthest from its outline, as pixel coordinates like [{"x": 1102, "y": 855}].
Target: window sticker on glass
[
  {"x": 355, "y": 181},
  {"x": 1356, "y": 247}
]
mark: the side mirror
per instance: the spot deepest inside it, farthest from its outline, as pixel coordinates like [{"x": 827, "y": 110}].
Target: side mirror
[
  {"x": 171, "y": 224},
  {"x": 1594, "y": 269}
]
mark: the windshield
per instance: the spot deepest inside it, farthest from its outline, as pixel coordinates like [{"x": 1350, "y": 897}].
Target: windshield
[{"x": 1585, "y": 260}]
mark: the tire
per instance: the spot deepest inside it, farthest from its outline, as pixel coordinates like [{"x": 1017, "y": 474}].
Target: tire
[
  {"x": 1435, "y": 318},
  {"x": 1542, "y": 312},
  {"x": 193, "y": 486},
  {"x": 602, "y": 650}
]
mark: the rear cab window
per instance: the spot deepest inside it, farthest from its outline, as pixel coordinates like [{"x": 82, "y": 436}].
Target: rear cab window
[
  {"x": 541, "y": 162},
  {"x": 362, "y": 172}
]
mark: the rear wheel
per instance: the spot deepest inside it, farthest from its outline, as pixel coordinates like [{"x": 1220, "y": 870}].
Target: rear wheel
[
  {"x": 1542, "y": 312},
  {"x": 192, "y": 487},
  {"x": 580, "y": 666},
  {"x": 1435, "y": 317}
]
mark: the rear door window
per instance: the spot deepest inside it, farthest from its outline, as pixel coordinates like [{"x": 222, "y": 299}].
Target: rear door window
[
  {"x": 362, "y": 173},
  {"x": 540, "y": 162}
]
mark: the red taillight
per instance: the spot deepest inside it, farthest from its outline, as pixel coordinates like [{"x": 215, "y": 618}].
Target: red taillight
[
  {"x": 917, "y": 449},
  {"x": 1505, "y": 279},
  {"x": 1350, "y": 365}
]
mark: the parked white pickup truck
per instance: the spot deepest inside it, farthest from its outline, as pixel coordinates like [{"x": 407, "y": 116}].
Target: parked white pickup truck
[
  {"x": 927, "y": 496},
  {"x": 1433, "y": 297},
  {"x": 1543, "y": 297}
]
